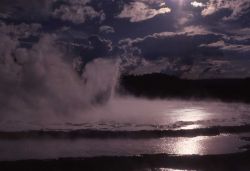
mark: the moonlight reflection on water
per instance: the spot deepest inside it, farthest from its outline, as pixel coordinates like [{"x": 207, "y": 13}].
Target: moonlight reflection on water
[
  {"x": 191, "y": 114},
  {"x": 190, "y": 146}
]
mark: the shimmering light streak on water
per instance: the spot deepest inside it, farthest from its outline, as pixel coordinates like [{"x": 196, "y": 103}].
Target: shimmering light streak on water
[
  {"x": 190, "y": 146},
  {"x": 190, "y": 114},
  {"x": 34, "y": 149},
  {"x": 167, "y": 169}
]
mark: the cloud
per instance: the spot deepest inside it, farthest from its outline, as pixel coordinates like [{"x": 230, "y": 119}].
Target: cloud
[
  {"x": 218, "y": 68},
  {"x": 156, "y": 2},
  {"x": 158, "y": 66},
  {"x": 106, "y": 29},
  {"x": 184, "y": 43},
  {"x": 140, "y": 11},
  {"x": 197, "y": 4},
  {"x": 98, "y": 47},
  {"x": 237, "y": 8},
  {"x": 184, "y": 34},
  {"x": 22, "y": 30},
  {"x": 196, "y": 30},
  {"x": 77, "y": 11},
  {"x": 185, "y": 18},
  {"x": 88, "y": 47},
  {"x": 240, "y": 48},
  {"x": 242, "y": 35},
  {"x": 184, "y": 53},
  {"x": 25, "y": 9}
]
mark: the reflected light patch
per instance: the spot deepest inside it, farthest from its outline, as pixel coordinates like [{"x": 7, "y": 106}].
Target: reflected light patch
[
  {"x": 187, "y": 146},
  {"x": 190, "y": 114},
  {"x": 188, "y": 127},
  {"x": 166, "y": 169}
]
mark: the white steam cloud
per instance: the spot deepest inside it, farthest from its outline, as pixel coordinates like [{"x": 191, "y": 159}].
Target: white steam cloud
[{"x": 39, "y": 83}]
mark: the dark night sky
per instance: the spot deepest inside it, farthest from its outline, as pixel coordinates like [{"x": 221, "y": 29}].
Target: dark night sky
[{"x": 187, "y": 38}]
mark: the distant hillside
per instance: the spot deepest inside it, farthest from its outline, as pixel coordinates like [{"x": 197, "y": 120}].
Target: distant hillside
[{"x": 164, "y": 86}]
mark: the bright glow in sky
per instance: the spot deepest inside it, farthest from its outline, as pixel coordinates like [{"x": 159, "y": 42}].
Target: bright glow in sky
[
  {"x": 197, "y": 4},
  {"x": 181, "y": 2}
]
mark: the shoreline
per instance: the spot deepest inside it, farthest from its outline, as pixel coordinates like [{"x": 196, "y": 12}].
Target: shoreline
[{"x": 123, "y": 134}]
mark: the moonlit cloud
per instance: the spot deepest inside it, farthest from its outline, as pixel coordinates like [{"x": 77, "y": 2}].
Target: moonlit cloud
[
  {"x": 21, "y": 30},
  {"x": 182, "y": 52},
  {"x": 139, "y": 11},
  {"x": 154, "y": 2},
  {"x": 196, "y": 30},
  {"x": 236, "y": 7},
  {"x": 106, "y": 29},
  {"x": 242, "y": 34},
  {"x": 26, "y": 9},
  {"x": 185, "y": 19},
  {"x": 77, "y": 12},
  {"x": 162, "y": 4},
  {"x": 197, "y": 4},
  {"x": 228, "y": 47}
]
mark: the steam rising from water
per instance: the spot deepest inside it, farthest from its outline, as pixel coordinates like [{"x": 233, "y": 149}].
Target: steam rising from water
[{"x": 40, "y": 83}]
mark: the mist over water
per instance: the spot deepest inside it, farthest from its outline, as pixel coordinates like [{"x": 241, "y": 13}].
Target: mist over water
[{"x": 41, "y": 89}]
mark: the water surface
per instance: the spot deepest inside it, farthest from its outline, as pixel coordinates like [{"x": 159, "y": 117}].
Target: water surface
[{"x": 131, "y": 115}]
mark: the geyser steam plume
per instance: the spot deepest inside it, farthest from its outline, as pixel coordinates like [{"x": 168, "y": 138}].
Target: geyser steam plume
[{"x": 40, "y": 83}]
